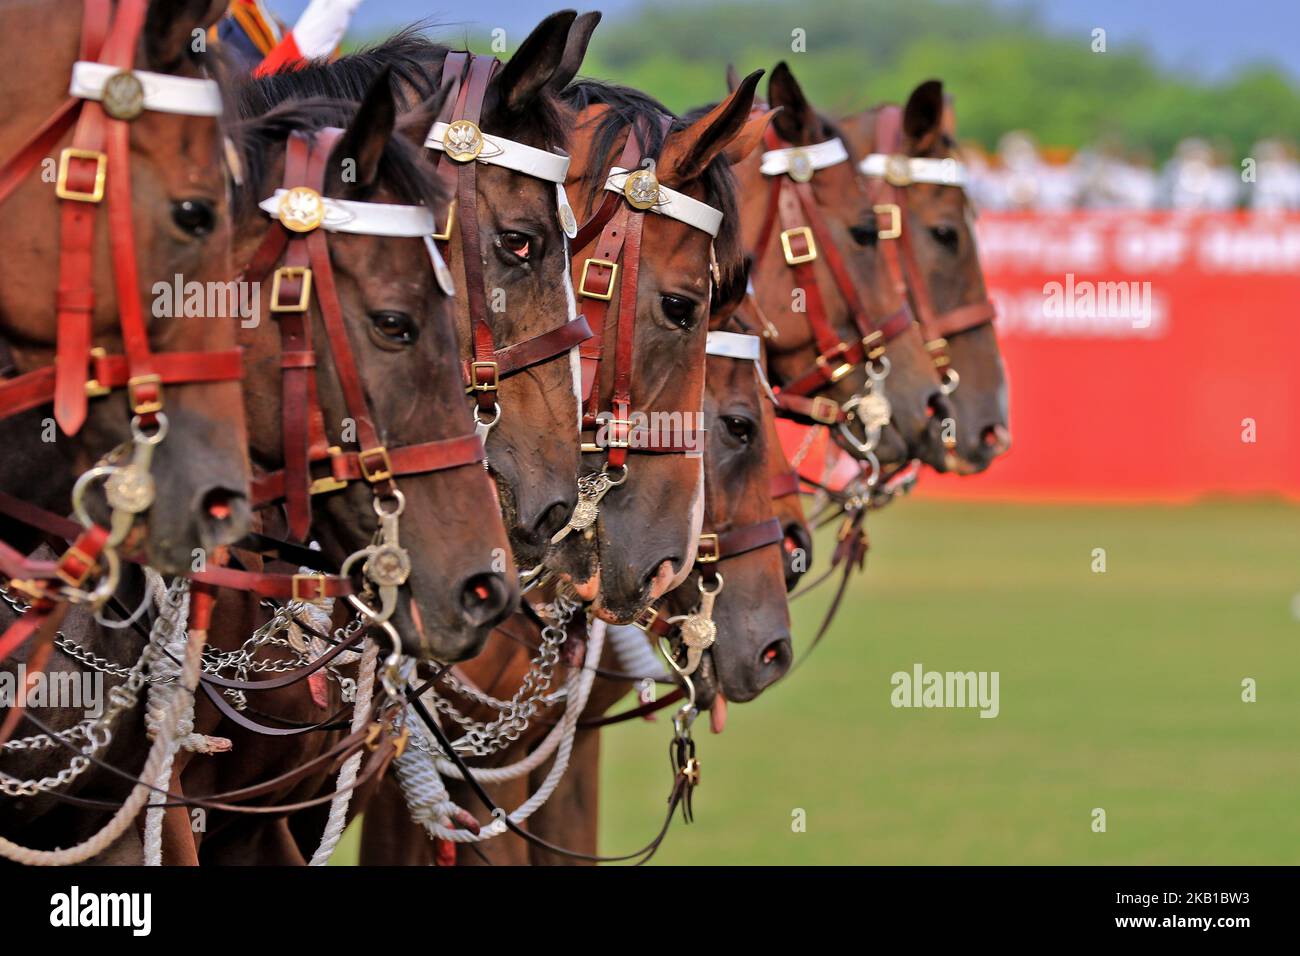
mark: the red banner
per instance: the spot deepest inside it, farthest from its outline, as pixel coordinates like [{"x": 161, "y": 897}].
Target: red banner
[{"x": 1149, "y": 355}]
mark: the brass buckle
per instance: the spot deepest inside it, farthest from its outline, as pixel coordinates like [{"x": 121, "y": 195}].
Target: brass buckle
[
  {"x": 790, "y": 257},
  {"x": 87, "y": 562},
  {"x": 329, "y": 483},
  {"x": 700, "y": 557},
  {"x": 301, "y": 579},
  {"x": 824, "y": 410},
  {"x": 613, "y": 279},
  {"x": 841, "y": 370},
  {"x": 94, "y": 387},
  {"x": 646, "y": 617},
  {"x": 304, "y": 297},
  {"x": 873, "y": 345},
  {"x": 895, "y": 220},
  {"x": 474, "y": 386},
  {"x": 101, "y": 173},
  {"x": 625, "y": 443},
  {"x": 383, "y": 473},
  {"x": 144, "y": 408},
  {"x": 445, "y": 235}
]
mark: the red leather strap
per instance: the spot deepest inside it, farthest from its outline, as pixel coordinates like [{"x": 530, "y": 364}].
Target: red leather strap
[
  {"x": 303, "y": 587},
  {"x": 785, "y": 484},
  {"x": 533, "y": 351}
]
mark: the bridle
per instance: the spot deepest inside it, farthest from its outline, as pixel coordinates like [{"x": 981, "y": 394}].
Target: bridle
[
  {"x": 805, "y": 237},
  {"x": 105, "y": 95},
  {"x": 697, "y": 631},
  {"x": 457, "y": 136},
  {"x": 296, "y": 247},
  {"x": 632, "y": 189},
  {"x": 891, "y": 173}
]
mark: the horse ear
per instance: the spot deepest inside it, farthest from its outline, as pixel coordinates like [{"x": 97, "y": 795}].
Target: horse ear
[
  {"x": 797, "y": 122},
  {"x": 923, "y": 113},
  {"x": 366, "y": 137},
  {"x": 415, "y": 123},
  {"x": 173, "y": 27},
  {"x": 530, "y": 70},
  {"x": 949, "y": 121},
  {"x": 687, "y": 153},
  {"x": 751, "y": 134},
  {"x": 575, "y": 49},
  {"x": 733, "y": 78}
]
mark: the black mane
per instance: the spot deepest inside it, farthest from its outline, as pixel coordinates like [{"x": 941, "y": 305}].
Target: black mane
[{"x": 626, "y": 106}]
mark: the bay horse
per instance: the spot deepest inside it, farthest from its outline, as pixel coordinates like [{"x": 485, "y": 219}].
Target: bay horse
[
  {"x": 635, "y": 536},
  {"x": 836, "y": 323},
  {"x": 516, "y": 313},
  {"x": 120, "y": 190},
  {"x": 911, "y": 156}
]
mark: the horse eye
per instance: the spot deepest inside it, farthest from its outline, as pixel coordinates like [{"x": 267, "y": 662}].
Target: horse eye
[
  {"x": 946, "y": 236},
  {"x": 864, "y": 235},
  {"x": 517, "y": 244},
  {"x": 679, "y": 310},
  {"x": 194, "y": 216},
  {"x": 395, "y": 326},
  {"x": 742, "y": 429}
]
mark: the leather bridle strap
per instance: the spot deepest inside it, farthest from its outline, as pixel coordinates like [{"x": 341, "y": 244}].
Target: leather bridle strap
[
  {"x": 97, "y": 164},
  {"x": 489, "y": 364},
  {"x": 936, "y": 327}
]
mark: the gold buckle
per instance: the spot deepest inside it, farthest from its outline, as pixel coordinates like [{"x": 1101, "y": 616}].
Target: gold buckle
[
  {"x": 445, "y": 235},
  {"x": 700, "y": 558},
  {"x": 895, "y": 220},
  {"x": 95, "y": 388},
  {"x": 101, "y": 173},
  {"x": 304, "y": 298},
  {"x": 88, "y": 565},
  {"x": 646, "y": 617},
  {"x": 474, "y": 386},
  {"x": 824, "y": 410},
  {"x": 144, "y": 408},
  {"x": 790, "y": 257},
  {"x": 383, "y": 473},
  {"x": 301, "y": 579},
  {"x": 613, "y": 279},
  {"x": 625, "y": 443},
  {"x": 329, "y": 483},
  {"x": 873, "y": 351},
  {"x": 840, "y": 371}
]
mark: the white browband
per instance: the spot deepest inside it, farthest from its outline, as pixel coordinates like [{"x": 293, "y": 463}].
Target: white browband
[
  {"x": 499, "y": 151},
  {"x": 673, "y": 204},
  {"x": 189, "y": 96},
  {"x": 734, "y": 345},
  {"x": 800, "y": 162},
  {"x": 904, "y": 170},
  {"x": 374, "y": 219}
]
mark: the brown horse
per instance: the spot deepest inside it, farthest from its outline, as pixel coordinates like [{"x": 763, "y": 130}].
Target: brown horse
[
  {"x": 179, "y": 221},
  {"x": 524, "y": 291},
  {"x": 946, "y": 283},
  {"x": 648, "y": 356},
  {"x": 832, "y": 314}
]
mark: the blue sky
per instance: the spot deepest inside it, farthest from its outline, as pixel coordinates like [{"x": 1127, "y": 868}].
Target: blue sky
[{"x": 1208, "y": 38}]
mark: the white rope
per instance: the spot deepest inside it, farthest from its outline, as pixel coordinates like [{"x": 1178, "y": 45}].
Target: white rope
[
  {"x": 635, "y": 655},
  {"x": 173, "y": 605},
  {"x": 338, "y": 818},
  {"x": 427, "y": 797},
  {"x": 160, "y": 753}
]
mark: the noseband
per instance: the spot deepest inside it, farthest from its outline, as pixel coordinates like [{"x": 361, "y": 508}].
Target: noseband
[
  {"x": 891, "y": 173},
  {"x": 457, "y": 137}
]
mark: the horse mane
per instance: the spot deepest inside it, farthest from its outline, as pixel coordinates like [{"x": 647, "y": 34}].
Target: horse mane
[
  {"x": 401, "y": 167},
  {"x": 625, "y": 107},
  {"x": 416, "y": 65}
]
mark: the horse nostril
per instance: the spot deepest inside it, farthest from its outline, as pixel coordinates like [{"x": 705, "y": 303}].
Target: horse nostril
[
  {"x": 774, "y": 660},
  {"x": 554, "y": 517},
  {"x": 997, "y": 438},
  {"x": 223, "y": 517},
  {"x": 485, "y": 599},
  {"x": 650, "y": 578}
]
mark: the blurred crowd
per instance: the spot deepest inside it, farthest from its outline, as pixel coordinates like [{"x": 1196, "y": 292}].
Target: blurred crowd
[{"x": 1197, "y": 177}]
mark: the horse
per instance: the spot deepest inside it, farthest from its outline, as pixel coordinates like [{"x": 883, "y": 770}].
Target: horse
[
  {"x": 841, "y": 344},
  {"x": 911, "y": 155},
  {"x": 138, "y": 204},
  {"x": 516, "y": 313}
]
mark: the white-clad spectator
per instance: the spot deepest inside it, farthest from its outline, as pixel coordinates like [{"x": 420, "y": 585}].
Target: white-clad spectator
[
  {"x": 1194, "y": 180},
  {"x": 1276, "y": 186}
]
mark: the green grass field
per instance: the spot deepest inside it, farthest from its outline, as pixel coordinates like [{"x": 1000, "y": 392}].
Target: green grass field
[{"x": 1120, "y": 690}]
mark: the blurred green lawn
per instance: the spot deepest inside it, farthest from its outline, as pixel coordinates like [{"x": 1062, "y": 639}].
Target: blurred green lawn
[{"x": 1119, "y": 690}]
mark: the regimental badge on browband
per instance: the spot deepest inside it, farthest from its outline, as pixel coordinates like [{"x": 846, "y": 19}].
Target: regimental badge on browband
[
  {"x": 123, "y": 96},
  {"x": 463, "y": 141},
  {"x": 301, "y": 209}
]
